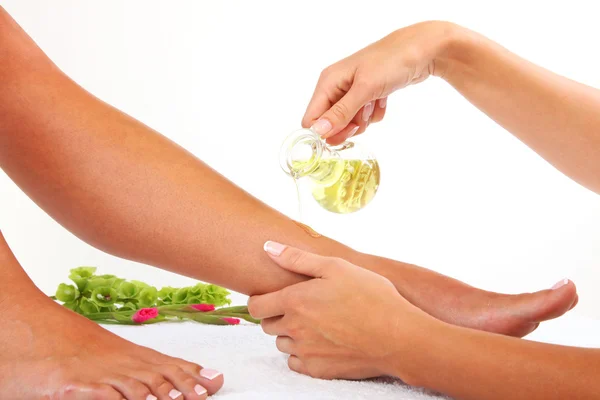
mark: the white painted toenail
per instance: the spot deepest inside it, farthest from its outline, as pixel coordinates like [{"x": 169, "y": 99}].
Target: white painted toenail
[
  {"x": 209, "y": 373},
  {"x": 174, "y": 394},
  {"x": 560, "y": 284},
  {"x": 199, "y": 390},
  {"x": 151, "y": 397}
]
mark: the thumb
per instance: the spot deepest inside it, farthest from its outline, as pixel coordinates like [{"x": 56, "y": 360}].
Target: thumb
[
  {"x": 343, "y": 112},
  {"x": 299, "y": 261}
]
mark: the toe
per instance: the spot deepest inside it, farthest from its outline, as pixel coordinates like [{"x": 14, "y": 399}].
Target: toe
[
  {"x": 575, "y": 302},
  {"x": 160, "y": 387},
  {"x": 556, "y": 302},
  {"x": 130, "y": 388},
  {"x": 189, "y": 386},
  {"x": 209, "y": 378},
  {"x": 545, "y": 304},
  {"x": 91, "y": 392}
]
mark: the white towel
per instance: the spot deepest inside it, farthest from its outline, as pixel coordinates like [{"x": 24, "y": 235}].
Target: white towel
[
  {"x": 254, "y": 369},
  {"x": 252, "y": 366}
]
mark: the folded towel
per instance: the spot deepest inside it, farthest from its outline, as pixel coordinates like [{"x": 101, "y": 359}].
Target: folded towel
[{"x": 254, "y": 369}]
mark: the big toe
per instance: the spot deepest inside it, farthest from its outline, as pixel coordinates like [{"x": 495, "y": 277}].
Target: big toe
[{"x": 548, "y": 304}]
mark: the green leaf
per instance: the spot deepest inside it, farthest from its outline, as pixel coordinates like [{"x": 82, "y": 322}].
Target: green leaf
[
  {"x": 147, "y": 297},
  {"x": 106, "y": 276},
  {"x": 81, "y": 275},
  {"x": 84, "y": 272},
  {"x": 140, "y": 284},
  {"x": 128, "y": 290},
  {"x": 129, "y": 306},
  {"x": 198, "y": 289},
  {"x": 166, "y": 291},
  {"x": 181, "y": 296},
  {"x": 87, "y": 306},
  {"x": 67, "y": 293},
  {"x": 195, "y": 300},
  {"x": 117, "y": 283},
  {"x": 97, "y": 282},
  {"x": 216, "y": 295},
  {"x": 104, "y": 296},
  {"x": 123, "y": 317},
  {"x": 71, "y": 305}
]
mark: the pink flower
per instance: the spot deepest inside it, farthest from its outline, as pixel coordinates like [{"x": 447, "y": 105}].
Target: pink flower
[
  {"x": 231, "y": 321},
  {"x": 144, "y": 314},
  {"x": 203, "y": 307}
]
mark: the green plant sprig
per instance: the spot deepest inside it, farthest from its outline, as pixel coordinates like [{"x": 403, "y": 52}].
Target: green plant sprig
[{"x": 108, "y": 299}]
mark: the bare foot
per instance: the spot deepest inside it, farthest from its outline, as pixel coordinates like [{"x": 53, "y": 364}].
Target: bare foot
[
  {"x": 513, "y": 315},
  {"x": 49, "y": 352},
  {"x": 460, "y": 304}
]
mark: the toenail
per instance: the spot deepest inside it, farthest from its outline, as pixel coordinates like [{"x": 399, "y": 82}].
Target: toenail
[
  {"x": 174, "y": 394},
  {"x": 209, "y": 373},
  {"x": 560, "y": 284},
  {"x": 199, "y": 390},
  {"x": 151, "y": 397}
]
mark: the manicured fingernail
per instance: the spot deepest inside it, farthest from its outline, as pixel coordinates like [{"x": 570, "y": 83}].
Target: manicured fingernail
[
  {"x": 353, "y": 132},
  {"x": 382, "y": 102},
  {"x": 367, "y": 111},
  {"x": 560, "y": 284},
  {"x": 322, "y": 127},
  {"x": 199, "y": 390},
  {"x": 174, "y": 394},
  {"x": 151, "y": 397},
  {"x": 274, "y": 249},
  {"x": 211, "y": 374}
]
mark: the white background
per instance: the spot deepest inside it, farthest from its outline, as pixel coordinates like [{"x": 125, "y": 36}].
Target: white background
[{"x": 229, "y": 79}]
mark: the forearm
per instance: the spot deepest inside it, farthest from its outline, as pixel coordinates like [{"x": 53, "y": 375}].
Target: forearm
[
  {"x": 468, "y": 364},
  {"x": 131, "y": 192},
  {"x": 555, "y": 116},
  {"x": 128, "y": 190}
]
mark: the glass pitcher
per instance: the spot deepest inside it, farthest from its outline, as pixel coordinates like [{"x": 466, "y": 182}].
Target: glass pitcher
[{"x": 343, "y": 178}]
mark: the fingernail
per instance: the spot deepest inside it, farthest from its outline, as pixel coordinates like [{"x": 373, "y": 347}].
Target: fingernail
[
  {"x": 211, "y": 374},
  {"x": 560, "y": 284},
  {"x": 151, "y": 397},
  {"x": 322, "y": 126},
  {"x": 274, "y": 249},
  {"x": 353, "y": 132},
  {"x": 382, "y": 102},
  {"x": 367, "y": 111},
  {"x": 199, "y": 390},
  {"x": 174, "y": 393}
]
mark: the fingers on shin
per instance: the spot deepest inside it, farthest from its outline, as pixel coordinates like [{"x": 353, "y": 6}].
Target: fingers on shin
[
  {"x": 273, "y": 326},
  {"x": 266, "y": 305},
  {"x": 285, "y": 344}
]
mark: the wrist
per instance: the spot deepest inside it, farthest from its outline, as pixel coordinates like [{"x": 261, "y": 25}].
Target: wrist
[{"x": 454, "y": 50}]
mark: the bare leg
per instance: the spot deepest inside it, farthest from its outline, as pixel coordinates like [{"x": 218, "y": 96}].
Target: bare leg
[
  {"x": 47, "y": 350},
  {"x": 129, "y": 191}
]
